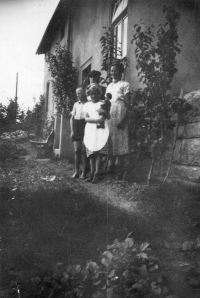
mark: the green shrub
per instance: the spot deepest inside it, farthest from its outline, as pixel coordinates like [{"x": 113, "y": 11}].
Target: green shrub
[{"x": 126, "y": 269}]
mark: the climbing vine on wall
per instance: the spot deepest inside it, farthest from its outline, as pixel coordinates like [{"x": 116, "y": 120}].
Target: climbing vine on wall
[
  {"x": 110, "y": 51},
  {"x": 155, "y": 53},
  {"x": 64, "y": 78}
]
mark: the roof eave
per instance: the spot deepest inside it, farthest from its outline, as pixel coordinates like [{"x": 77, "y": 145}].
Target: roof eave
[{"x": 52, "y": 27}]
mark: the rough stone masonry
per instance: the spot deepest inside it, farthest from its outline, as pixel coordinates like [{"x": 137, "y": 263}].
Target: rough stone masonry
[{"x": 186, "y": 158}]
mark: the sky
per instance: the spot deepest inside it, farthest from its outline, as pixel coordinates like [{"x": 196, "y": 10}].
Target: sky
[{"x": 22, "y": 25}]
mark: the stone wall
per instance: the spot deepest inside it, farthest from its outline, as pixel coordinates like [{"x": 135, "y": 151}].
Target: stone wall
[{"x": 186, "y": 158}]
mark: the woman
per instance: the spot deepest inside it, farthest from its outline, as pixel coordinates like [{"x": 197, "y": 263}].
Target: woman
[
  {"x": 96, "y": 140},
  {"x": 118, "y": 124}
]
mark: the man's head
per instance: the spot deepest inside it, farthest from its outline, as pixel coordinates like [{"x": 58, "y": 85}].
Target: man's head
[
  {"x": 80, "y": 93},
  {"x": 94, "y": 76}
]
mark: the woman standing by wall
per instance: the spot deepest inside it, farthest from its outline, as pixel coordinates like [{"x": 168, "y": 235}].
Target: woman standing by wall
[{"x": 118, "y": 124}]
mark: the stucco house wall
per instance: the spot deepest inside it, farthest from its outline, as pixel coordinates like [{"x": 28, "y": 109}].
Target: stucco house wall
[
  {"x": 88, "y": 22},
  {"x": 89, "y": 18}
]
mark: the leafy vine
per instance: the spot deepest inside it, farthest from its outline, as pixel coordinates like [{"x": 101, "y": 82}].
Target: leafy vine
[
  {"x": 156, "y": 64},
  {"x": 110, "y": 51},
  {"x": 64, "y": 78}
]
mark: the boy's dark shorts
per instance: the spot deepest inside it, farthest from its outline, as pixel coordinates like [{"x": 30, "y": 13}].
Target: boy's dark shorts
[{"x": 79, "y": 129}]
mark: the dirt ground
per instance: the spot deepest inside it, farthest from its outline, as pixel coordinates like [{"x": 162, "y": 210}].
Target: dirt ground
[{"x": 47, "y": 217}]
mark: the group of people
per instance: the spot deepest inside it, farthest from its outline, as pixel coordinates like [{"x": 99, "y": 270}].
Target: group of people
[{"x": 99, "y": 125}]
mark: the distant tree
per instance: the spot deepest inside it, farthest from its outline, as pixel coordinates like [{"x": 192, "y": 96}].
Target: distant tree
[
  {"x": 40, "y": 119},
  {"x": 12, "y": 111},
  {"x": 28, "y": 117},
  {"x": 21, "y": 116},
  {"x": 2, "y": 114}
]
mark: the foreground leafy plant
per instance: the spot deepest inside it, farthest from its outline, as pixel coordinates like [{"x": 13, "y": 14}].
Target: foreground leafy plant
[
  {"x": 191, "y": 250},
  {"x": 126, "y": 269}
]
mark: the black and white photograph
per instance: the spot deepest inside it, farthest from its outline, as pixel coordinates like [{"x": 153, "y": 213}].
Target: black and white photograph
[{"x": 100, "y": 149}]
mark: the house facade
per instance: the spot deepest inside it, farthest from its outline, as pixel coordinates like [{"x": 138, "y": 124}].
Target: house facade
[{"x": 81, "y": 23}]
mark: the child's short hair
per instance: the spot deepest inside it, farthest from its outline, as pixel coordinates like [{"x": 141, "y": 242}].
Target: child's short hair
[
  {"x": 95, "y": 87},
  {"x": 81, "y": 87}
]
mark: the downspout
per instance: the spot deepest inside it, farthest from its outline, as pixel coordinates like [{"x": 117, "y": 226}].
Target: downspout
[{"x": 69, "y": 34}]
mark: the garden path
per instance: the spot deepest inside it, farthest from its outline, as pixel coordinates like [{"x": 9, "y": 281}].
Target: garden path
[{"x": 161, "y": 215}]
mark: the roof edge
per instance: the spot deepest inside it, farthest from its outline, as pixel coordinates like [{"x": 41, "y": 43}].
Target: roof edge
[{"x": 43, "y": 44}]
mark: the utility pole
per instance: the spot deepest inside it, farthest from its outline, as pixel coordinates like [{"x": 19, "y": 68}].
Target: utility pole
[
  {"x": 16, "y": 98},
  {"x": 16, "y": 87}
]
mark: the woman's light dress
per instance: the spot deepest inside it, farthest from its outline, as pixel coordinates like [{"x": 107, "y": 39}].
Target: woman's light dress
[{"x": 119, "y": 137}]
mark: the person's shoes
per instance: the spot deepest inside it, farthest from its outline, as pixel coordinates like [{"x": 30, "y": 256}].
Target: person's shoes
[
  {"x": 95, "y": 179},
  {"x": 90, "y": 178},
  {"x": 76, "y": 175},
  {"x": 83, "y": 177}
]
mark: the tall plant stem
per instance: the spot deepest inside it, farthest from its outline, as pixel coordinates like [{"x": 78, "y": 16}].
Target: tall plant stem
[
  {"x": 173, "y": 149},
  {"x": 150, "y": 171},
  {"x": 174, "y": 143}
]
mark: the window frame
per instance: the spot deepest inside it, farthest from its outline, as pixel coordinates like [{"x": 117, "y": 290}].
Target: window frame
[
  {"x": 120, "y": 20},
  {"x": 84, "y": 69},
  {"x": 85, "y": 72}
]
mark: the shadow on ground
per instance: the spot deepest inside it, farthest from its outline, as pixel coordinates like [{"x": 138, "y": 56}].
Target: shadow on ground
[{"x": 43, "y": 227}]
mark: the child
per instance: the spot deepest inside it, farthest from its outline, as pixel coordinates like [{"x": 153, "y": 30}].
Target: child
[
  {"x": 94, "y": 78},
  {"x": 77, "y": 124},
  {"x": 104, "y": 110},
  {"x": 96, "y": 140}
]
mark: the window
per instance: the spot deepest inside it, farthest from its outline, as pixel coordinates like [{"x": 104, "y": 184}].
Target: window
[
  {"x": 85, "y": 73},
  {"x": 120, "y": 24}
]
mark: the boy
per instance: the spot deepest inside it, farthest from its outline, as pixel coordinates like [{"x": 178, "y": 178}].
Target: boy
[
  {"x": 94, "y": 78},
  {"x": 77, "y": 125}
]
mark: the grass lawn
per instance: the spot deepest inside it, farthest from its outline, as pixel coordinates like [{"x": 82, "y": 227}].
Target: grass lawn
[
  {"x": 45, "y": 223},
  {"x": 47, "y": 226}
]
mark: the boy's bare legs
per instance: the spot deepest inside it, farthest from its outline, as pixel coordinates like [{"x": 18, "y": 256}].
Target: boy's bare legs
[{"x": 78, "y": 153}]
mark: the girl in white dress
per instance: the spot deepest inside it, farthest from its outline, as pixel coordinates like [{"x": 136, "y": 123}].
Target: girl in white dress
[{"x": 96, "y": 140}]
